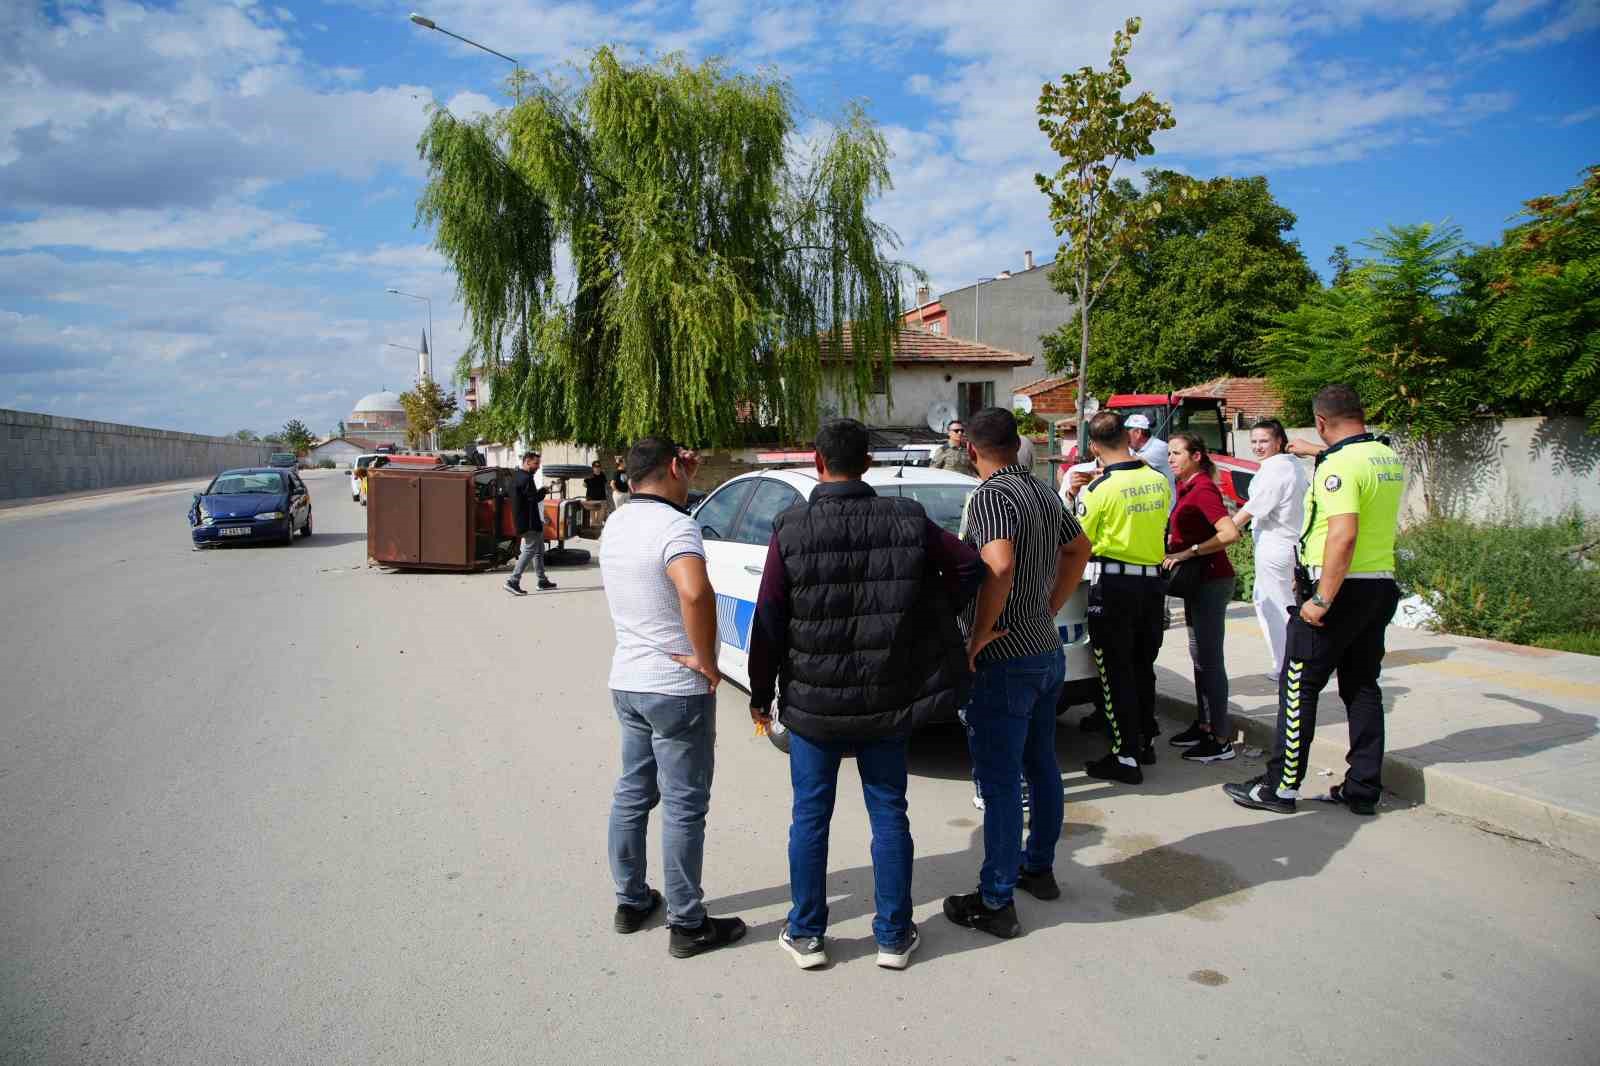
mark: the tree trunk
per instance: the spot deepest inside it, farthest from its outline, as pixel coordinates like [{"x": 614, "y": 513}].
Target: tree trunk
[{"x": 1083, "y": 356}]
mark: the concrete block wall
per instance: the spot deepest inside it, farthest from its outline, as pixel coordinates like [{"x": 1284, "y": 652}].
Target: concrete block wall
[{"x": 45, "y": 455}]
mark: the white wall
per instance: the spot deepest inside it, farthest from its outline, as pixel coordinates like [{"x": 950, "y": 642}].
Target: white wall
[
  {"x": 1533, "y": 467},
  {"x": 340, "y": 451},
  {"x": 913, "y": 390}
]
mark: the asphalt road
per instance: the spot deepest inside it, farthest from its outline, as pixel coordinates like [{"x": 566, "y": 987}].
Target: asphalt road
[{"x": 265, "y": 805}]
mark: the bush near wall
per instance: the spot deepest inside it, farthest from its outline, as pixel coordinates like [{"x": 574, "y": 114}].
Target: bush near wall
[{"x": 1519, "y": 582}]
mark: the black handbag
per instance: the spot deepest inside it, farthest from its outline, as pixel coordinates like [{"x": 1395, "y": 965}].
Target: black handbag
[{"x": 1185, "y": 579}]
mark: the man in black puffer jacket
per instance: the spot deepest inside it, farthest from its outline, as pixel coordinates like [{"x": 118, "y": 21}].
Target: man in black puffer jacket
[{"x": 856, "y": 621}]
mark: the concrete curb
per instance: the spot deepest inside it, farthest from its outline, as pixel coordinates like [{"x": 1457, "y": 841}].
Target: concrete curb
[{"x": 1508, "y": 812}]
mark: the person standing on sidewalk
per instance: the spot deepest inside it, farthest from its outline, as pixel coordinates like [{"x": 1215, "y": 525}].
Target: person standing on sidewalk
[
  {"x": 1346, "y": 585},
  {"x": 1152, "y": 449},
  {"x": 1277, "y": 507},
  {"x": 619, "y": 485},
  {"x": 525, "y": 496},
  {"x": 1034, "y": 552},
  {"x": 663, "y": 687},
  {"x": 952, "y": 454},
  {"x": 857, "y": 617},
  {"x": 1124, "y": 512},
  {"x": 1200, "y": 526}
]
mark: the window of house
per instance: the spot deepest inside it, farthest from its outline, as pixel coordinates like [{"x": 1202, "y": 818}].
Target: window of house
[
  {"x": 974, "y": 396},
  {"x": 879, "y": 386},
  {"x": 936, "y": 327}
]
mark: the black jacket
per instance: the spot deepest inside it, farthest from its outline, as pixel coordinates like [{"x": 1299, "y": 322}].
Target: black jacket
[
  {"x": 867, "y": 612},
  {"x": 525, "y": 497}
]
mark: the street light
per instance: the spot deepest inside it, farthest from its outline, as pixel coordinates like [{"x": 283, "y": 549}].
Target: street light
[
  {"x": 433, "y": 438},
  {"x": 516, "y": 74},
  {"x": 424, "y": 299}
]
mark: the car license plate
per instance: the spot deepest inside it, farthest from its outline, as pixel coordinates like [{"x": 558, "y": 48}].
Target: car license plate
[{"x": 234, "y": 531}]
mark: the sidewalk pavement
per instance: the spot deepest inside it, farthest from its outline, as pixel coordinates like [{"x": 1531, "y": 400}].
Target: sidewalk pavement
[{"x": 1498, "y": 733}]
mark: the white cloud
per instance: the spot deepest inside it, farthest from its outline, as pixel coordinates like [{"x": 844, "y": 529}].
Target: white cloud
[
  {"x": 1510, "y": 10},
  {"x": 1575, "y": 118},
  {"x": 233, "y": 227}
]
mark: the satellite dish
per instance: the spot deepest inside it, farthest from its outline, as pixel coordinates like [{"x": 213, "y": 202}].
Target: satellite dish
[
  {"x": 940, "y": 414},
  {"x": 1091, "y": 407},
  {"x": 1024, "y": 401}
]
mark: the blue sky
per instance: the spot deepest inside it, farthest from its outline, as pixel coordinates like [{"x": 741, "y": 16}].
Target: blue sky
[{"x": 201, "y": 204}]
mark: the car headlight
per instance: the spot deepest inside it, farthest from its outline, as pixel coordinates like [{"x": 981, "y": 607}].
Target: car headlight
[
  {"x": 205, "y": 517},
  {"x": 268, "y": 516}
]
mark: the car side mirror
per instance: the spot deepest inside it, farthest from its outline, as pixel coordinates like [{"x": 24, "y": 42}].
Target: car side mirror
[{"x": 707, "y": 531}]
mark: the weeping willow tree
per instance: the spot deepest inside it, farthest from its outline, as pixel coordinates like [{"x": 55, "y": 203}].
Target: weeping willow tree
[{"x": 719, "y": 267}]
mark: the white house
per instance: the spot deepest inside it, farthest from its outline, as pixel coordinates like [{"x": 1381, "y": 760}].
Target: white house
[{"x": 931, "y": 373}]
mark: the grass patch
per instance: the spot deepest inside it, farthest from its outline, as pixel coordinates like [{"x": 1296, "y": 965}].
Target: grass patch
[{"x": 1581, "y": 643}]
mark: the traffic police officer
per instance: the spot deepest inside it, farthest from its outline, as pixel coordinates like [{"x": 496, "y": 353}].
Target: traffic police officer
[
  {"x": 1345, "y": 582},
  {"x": 1124, "y": 514}
]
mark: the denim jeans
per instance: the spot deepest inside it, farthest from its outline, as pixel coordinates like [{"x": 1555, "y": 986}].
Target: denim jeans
[
  {"x": 814, "y": 771},
  {"x": 1011, "y": 731},
  {"x": 668, "y": 747}
]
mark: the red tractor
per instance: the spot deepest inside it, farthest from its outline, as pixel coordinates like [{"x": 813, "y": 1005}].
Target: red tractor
[{"x": 1201, "y": 415}]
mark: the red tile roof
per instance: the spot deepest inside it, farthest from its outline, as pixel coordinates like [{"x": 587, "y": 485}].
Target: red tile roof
[
  {"x": 1043, "y": 385},
  {"x": 1252, "y": 397},
  {"x": 913, "y": 347}
]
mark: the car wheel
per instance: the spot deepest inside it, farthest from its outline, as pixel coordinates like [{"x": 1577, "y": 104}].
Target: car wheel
[
  {"x": 1083, "y": 692},
  {"x": 306, "y": 532}
]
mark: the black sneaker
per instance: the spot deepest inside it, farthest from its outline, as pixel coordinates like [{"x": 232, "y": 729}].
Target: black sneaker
[
  {"x": 515, "y": 588},
  {"x": 1040, "y": 884},
  {"x": 809, "y": 951},
  {"x": 545, "y": 584},
  {"x": 1110, "y": 769},
  {"x": 686, "y": 943},
  {"x": 1336, "y": 794},
  {"x": 1208, "y": 750},
  {"x": 631, "y": 919},
  {"x": 1256, "y": 795},
  {"x": 1190, "y": 737},
  {"x": 1093, "y": 722},
  {"x": 1147, "y": 754},
  {"x": 898, "y": 957},
  {"x": 971, "y": 911}
]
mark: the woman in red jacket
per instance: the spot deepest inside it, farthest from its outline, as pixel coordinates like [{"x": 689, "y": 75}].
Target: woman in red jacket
[{"x": 1200, "y": 526}]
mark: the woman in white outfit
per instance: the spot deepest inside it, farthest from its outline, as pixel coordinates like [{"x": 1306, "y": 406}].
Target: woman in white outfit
[{"x": 1277, "y": 508}]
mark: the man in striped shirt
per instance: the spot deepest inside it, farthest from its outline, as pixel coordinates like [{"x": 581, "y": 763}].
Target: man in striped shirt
[{"x": 1034, "y": 553}]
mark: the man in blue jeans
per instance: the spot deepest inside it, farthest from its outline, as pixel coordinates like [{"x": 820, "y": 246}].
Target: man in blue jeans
[
  {"x": 1035, "y": 554},
  {"x": 663, "y": 687},
  {"x": 855, "y": 627}
]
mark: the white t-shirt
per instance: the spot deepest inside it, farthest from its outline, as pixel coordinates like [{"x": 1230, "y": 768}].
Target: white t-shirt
[
  {"x": 1277, "y": 501},
  {"x": 1155, "y": 453},
  {"x": 638, "y": 543}
]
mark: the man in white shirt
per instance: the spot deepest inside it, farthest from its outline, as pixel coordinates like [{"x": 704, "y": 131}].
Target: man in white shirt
[
  {"x": 1277, "y": 508},
  {"x": 663, "y": 687},
  {"x": 1153, "y": 450}
]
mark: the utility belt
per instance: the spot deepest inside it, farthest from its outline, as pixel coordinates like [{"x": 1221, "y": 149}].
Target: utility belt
[
  {"x": 1306, "y": 578},
  {"x": 1117, "y": 566}
]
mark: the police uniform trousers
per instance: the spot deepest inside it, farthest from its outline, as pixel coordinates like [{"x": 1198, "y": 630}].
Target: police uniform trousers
[
  {"x": 1127, "y": 619},
  {"x": 1348, "y": 643}
]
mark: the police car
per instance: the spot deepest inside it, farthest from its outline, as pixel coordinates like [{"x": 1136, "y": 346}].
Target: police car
[{"x": 736, "y": 523}]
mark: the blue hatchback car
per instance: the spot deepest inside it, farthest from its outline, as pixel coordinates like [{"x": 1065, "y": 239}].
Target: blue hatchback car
[{"x": 253, "y": 504}]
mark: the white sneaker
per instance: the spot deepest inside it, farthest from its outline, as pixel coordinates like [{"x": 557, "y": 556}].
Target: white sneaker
[
  {"x": 898, "y": 958},
  {"x": 809, "y": 952},
  {"x": 977, "y": 800}
]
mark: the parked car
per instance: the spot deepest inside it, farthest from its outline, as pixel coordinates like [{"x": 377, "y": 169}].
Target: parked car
[
  {"x": 252, "y": 504},
  {"x": 358, "y": 473},
  {"x": 283, "y": 460},
  {"x": 736, "y": 522}
]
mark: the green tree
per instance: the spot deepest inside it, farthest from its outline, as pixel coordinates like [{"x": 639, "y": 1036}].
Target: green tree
[
  {"x": 712, "y": 259},
  {"x": 467, "y": 429},
  {"x": 248, "y": 436},
  {"x": 427, "y": 407},
  {"x": 1541, "y": 312},
  {"x": 1093, "y": 129},
  {"x": 296, "y": 436},
  {"x": 1399, "y": 330},
  {"x": 1339, "y": 260},
  {"x": 1191, "y": 304}
]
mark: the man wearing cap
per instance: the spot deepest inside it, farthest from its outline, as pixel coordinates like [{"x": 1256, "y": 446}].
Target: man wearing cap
[
  {"x": 1153, "y": 450},
  {"x": 1124, "y": 513},
  {"x": 1347, "y": 592}
]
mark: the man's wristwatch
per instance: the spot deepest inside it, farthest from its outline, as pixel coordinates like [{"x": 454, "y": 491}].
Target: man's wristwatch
[{"x": 1316, "y": 598}]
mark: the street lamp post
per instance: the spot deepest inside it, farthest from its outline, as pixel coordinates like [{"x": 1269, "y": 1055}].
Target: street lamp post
[
  {"x": 516, "y": 73},
  {"x": 433, "y": 437},
  {"x": 424, "y": 299}
]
